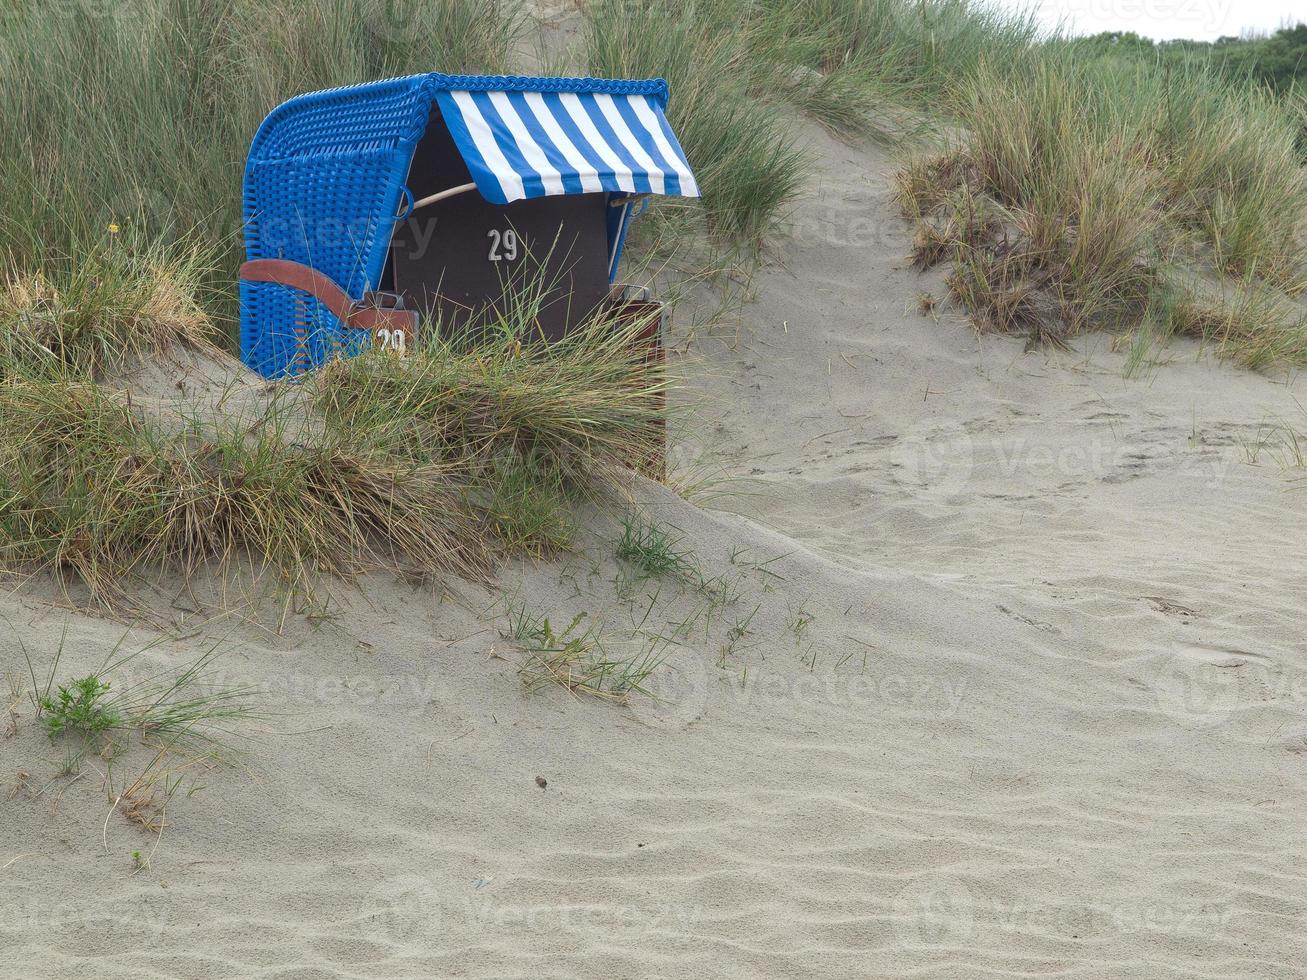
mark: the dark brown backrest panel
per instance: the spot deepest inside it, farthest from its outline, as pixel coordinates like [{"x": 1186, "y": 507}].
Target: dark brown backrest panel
[{"x": 455, "y": 259}]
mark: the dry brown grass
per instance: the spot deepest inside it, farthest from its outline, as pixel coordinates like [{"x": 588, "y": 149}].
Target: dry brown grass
[{"x": 15, "y": 682}]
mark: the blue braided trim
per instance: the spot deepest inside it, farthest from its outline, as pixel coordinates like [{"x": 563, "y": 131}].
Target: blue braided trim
[{"x": 655, "y": 87}]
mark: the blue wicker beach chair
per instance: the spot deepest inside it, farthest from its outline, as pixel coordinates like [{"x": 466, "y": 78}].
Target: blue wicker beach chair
[{"x": 440, "y": 193}]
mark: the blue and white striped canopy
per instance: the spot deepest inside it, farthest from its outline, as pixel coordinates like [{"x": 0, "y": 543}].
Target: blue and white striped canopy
[{"x": 524, "y": 144}]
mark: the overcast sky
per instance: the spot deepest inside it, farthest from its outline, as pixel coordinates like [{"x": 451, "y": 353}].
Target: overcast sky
[{"x": 1203, "y": 20}]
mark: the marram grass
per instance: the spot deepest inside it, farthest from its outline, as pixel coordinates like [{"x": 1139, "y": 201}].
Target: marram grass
[
  {"x": 95, "y": 489},
  {"x": 532, "y": 427},
  {"x": 140, "y": 114},
  {"x": 103, "y": 310},
  {"x": 1077, "y": 192}
]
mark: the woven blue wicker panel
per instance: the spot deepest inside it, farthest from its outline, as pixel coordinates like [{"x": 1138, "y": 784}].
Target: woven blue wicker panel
[
  {"x": 322, "y": 183},
  {"x": 299, "y": 333}
]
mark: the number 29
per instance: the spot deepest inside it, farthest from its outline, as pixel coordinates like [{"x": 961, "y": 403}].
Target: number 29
[
  {"x": 503, "y": 245},
  {"x": 395, "y": 340}
]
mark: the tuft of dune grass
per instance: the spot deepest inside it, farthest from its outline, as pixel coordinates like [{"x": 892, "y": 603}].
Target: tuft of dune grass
[
  {"x": 100, "y": 311},
  {"x": 94, "y": 489},
  {"x": 746, "y": 166},
  {"x": 1245, "y": 322},
  {"x": 587, "y": 400},
  {"x": 532, "y": 426},
  {"x": 1077, "y": 189}
]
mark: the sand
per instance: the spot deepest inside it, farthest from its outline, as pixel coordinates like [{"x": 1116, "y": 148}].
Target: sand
[{"x": 1001, "y": 673}]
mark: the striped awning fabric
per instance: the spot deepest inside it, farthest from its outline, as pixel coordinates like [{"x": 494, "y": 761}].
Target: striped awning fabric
[{"x": 528, "y": 144}]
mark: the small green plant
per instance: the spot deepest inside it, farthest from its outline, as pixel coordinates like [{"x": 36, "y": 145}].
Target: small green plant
[
  {"x": 73, "y": 756},
  {"x": 575, "y": 658},
  {"x": 655, "y": 549},
  {"x": 799, "y": 625},
  {"x": 742, "y": 627},
  {"x": 176, "y": 708},
  {"x": 82, "y": 707}
]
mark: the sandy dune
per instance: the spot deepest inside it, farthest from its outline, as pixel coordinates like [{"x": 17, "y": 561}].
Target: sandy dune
[{"x": 1001, "y": 674}]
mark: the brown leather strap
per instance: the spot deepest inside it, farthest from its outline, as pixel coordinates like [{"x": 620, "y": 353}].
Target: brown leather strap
[{"x": 363, "y": 314}]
